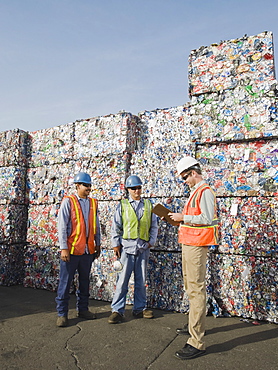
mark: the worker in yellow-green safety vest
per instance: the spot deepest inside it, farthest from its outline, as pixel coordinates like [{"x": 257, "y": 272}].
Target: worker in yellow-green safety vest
[
  {"x": 79, "y": 239},
  {"x": 134, "y": 232}
]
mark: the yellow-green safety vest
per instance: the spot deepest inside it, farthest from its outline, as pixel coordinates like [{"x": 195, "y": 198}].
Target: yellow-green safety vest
[{"x": 132, "y": 227}]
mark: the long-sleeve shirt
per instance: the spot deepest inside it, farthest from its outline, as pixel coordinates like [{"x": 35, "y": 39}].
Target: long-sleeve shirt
[
  {"x": 64, "y": 221},
  {"x": 207, "y": 204},
  {"x": 132, "y": 246}
]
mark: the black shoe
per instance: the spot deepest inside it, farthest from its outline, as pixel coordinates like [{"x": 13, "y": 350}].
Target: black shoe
[
  {"x": 183, "y": 331},
  {"x": 188, "y": 352}
]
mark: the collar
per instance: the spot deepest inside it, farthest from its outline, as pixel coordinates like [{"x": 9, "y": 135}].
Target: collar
[
  {"x": 132, "y": 200},
  {"x": 198, "y": 185},
  {"x": 82, "y": 199}
]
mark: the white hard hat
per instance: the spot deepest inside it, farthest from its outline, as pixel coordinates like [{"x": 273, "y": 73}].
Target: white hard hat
[{"x": 185, "y": 163}]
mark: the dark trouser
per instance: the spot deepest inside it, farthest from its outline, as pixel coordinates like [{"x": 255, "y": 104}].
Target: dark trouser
[{"x": 82, "y": 264}]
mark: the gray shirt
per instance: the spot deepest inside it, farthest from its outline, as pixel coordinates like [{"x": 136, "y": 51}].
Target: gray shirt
[{"x": 132, "y": 246}]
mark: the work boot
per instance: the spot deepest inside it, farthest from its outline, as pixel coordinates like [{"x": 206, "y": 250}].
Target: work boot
[
  {"x": 146, "y": 314},
  {"x": 88, "y": 315},
  {"x": 115, "y": 318},
  {"x": 62, "y": 321}
]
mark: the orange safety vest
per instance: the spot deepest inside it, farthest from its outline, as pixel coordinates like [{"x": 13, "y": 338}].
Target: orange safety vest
[
  {"x": 198, "y": 235},
  {"x": 77, "y": 240}
]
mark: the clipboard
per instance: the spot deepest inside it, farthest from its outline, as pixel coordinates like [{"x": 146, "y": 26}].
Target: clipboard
[{"x": 162, "y": 211}]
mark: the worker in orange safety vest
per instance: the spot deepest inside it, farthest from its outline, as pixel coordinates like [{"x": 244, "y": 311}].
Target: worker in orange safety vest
[
  {"x": 197, "y": 231},
  {"x": 79, "y": 239}
]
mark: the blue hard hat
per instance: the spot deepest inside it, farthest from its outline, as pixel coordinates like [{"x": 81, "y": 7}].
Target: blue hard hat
[
  {"x": 133, "y": 180},
  {"x": 82, "y": 177}
]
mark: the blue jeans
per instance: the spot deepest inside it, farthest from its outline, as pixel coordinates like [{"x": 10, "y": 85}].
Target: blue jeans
[
  {"x": 137, "y": 264},
  {"x": 82, "y": 264}
]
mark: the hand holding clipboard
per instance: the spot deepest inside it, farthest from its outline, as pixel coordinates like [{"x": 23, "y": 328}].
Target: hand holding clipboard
[{"x": 162, "y": 211}]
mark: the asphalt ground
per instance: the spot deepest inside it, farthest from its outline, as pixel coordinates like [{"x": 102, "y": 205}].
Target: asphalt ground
[{"x": 30, "y": 339}]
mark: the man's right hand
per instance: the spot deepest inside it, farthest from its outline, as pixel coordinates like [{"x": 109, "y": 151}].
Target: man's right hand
[
  {"x": 117, "y": 251},
  {"x": 65, "y": 255},
  {"x": 176, "y": 216}
]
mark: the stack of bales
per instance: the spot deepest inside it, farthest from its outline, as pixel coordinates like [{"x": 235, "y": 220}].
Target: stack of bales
[
  {"x": 99, "y": 146},
  {"x": 168, "y": 135},
  {"x": 14, "y": 146},
  {"x": 234, "y": 101},
  {"x": 48, "y": 180},
  {"x": 103, "y": 148}
]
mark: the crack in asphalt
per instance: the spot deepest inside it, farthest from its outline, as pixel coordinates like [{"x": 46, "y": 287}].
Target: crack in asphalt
[
  {"x": 72, "y": 352},
  {"x": 164, "y": 349}
]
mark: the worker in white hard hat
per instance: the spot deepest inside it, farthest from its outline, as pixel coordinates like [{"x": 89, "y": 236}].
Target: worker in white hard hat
[{"x": 198, "y": 229}]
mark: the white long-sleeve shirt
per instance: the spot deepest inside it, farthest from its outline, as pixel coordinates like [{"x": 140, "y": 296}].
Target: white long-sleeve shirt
[{"x": 207, "y": 204}]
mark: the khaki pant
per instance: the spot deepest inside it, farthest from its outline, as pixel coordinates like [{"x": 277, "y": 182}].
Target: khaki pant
[{"x": 194, "y": 272}]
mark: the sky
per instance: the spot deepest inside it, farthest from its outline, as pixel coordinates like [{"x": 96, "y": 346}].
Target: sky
[{"x": 65, "y": 60}]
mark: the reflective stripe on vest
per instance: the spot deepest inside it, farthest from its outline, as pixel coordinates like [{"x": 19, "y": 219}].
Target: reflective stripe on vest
[
  {"x": 198, "y": 235},
  {"x": 78, "y": 226},
  {"x": 132, "y": 227},
  {"x": 77, "y": 241}
]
